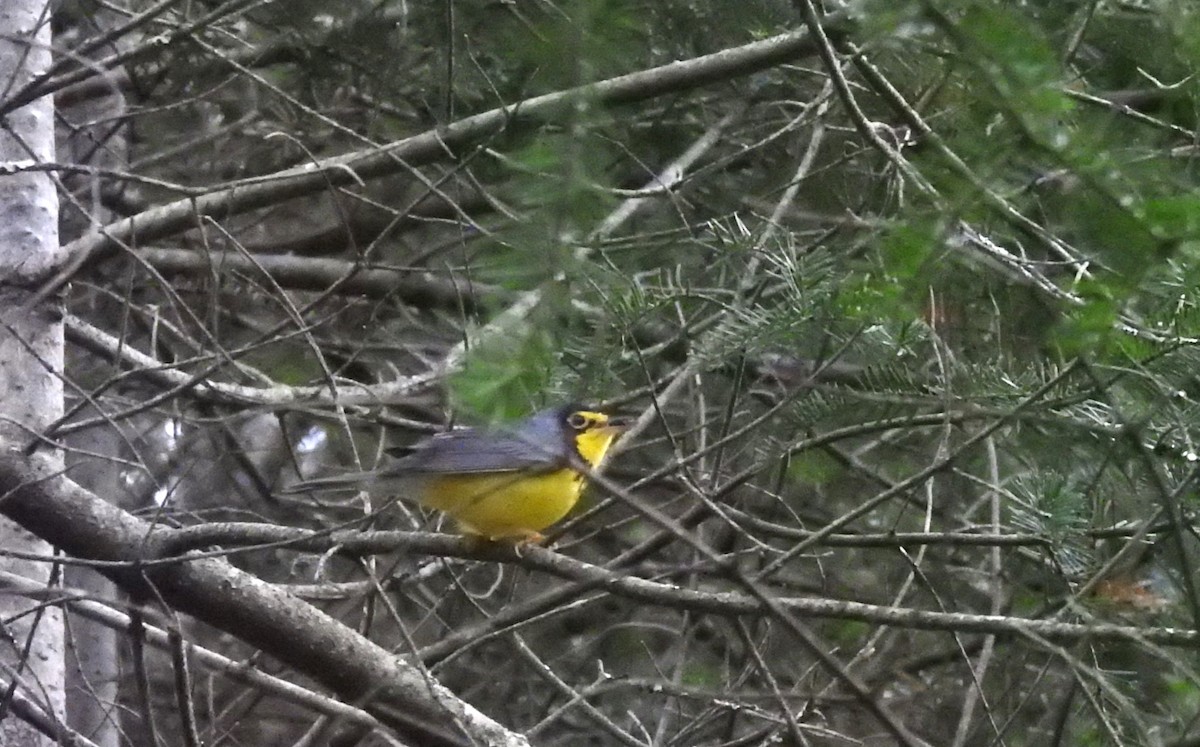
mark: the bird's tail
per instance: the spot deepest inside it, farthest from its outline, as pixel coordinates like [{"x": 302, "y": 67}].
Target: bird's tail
[{"x": 347, "y": 482}]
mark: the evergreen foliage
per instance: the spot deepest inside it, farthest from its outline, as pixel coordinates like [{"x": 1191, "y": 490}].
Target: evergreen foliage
[{"x": 948, "y": 286}]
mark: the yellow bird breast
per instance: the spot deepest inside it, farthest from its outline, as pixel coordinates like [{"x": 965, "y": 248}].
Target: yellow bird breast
[
  {"x": 516, "y": 504},
  {"x": 498, "y": 505}
]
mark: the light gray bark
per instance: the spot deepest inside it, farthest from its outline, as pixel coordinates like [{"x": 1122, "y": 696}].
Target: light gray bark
[{"x": 31, "y": 353}]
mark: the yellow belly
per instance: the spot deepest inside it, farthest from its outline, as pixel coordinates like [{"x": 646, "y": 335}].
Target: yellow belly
[{"x": 499, "y": 505}]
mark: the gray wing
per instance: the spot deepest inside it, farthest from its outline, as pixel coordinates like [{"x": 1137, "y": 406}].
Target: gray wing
[
  {"x": 473, "y": 450},
  {"x": 469, "y": 450}
]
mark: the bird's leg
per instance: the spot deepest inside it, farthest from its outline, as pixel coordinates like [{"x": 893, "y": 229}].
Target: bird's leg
[{"x": 525, "y": 540}]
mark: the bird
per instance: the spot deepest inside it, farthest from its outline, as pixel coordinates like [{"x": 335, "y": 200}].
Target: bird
[{"x": 502, "y": 484}]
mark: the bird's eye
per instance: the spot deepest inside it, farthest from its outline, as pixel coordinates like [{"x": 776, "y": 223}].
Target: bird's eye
[{"x": 577, "y": 421}]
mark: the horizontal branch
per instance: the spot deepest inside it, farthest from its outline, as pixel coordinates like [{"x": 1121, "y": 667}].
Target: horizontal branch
[
  {"x": 172, "y": 377},
  {"x": 356, "y": 167},
  {"x": 414, "y": 287},
  {"x": 666, "y": 595}
]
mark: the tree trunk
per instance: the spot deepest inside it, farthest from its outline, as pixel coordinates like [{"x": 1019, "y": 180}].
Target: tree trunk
[{"x": 31, "y": 360}]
